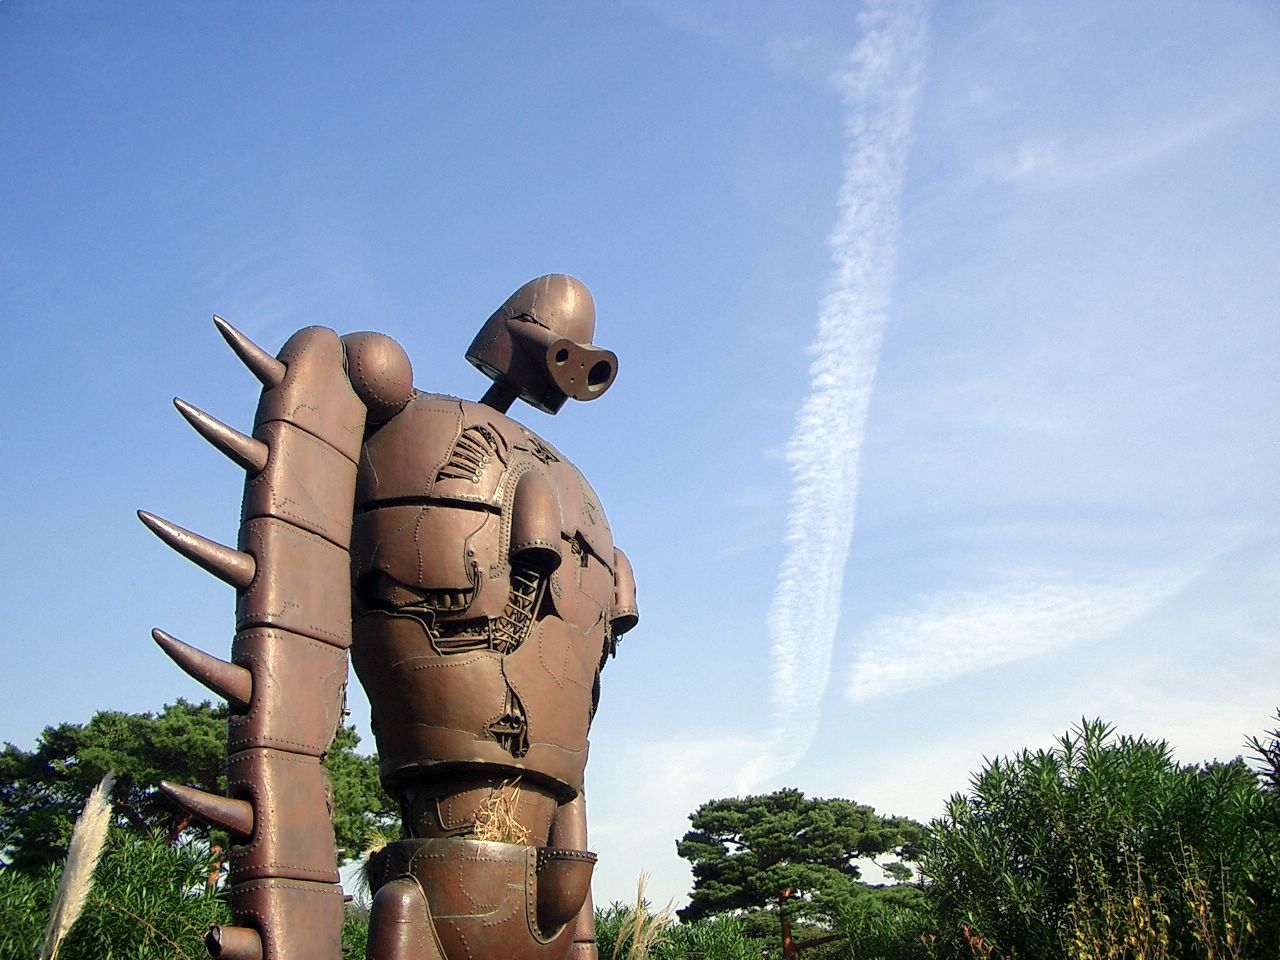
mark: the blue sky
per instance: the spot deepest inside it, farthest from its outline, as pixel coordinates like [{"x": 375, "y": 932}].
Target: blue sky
[{"x": 947, "y": 334}]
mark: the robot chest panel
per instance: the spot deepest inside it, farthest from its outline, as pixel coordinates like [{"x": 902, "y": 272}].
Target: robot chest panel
[
  {"x": 437, "y": 448},
  {"x": 436, "y": 497},
  {"x": 443, "y": 449}
]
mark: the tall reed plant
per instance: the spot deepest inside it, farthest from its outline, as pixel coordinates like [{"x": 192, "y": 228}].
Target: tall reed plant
[{"x": 72, "y": 893}]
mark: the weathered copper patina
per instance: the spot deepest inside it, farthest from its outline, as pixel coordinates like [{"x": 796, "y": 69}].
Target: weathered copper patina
[{"x": 469, "y": 569}]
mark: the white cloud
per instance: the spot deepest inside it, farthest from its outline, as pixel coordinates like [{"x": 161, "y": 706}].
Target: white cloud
[
  {"x": 880, "y": 85},
  {"x": 961, "y": 631},
  {"x": 1062, "y": 161},
  {"x": 665, "y": 781}
]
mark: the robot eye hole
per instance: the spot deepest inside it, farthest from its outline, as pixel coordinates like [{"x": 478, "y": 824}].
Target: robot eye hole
[
  {"x": 562, "y": 355},
  {"x": 599, "y": 374}
]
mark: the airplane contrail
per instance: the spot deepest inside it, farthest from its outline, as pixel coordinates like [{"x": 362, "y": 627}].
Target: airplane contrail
[{"x": 879, "y": 85}]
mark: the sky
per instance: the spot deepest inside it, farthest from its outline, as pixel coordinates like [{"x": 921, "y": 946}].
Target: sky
[{"x": 947, "y": 336}]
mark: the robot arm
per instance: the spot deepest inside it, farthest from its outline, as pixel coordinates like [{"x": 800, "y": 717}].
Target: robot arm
[
  {"x": 625, "y": 614},
  {"x": 287, "y": 676}
]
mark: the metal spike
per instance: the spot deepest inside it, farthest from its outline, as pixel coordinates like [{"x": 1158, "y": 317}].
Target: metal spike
[
  {"x": 264, "y": 366},
  {"x": 228, "y": 680},
  {"x": 235, "y": 816},
  {"x": 249, "y": 453},
  {"x": 233, "y": 566},
  {"x": 233, "y": 943}
]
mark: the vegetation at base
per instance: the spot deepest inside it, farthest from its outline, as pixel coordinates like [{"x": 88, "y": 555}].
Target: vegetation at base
[
  {"x": 150, "y": 900},
  {"x": 635, "y": 932},
  {"x": 1101, "y": 847},
  {"x": 786, "y": 860},
  {"x": 42, "y": 790}
]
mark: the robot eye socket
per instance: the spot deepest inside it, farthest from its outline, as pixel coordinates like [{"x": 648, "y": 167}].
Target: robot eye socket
[
  {"x": 562, "y": 356},
  {"x": 599, "y": 376}
]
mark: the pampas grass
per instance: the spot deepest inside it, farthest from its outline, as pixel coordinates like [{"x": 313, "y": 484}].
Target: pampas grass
[
  {"x": 641, "y": 930},
  {"x": 87, "y": 838}
]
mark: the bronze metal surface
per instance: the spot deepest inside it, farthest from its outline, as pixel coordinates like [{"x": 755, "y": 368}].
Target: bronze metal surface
[
  {"x": 249, "y": 454},
  {"x": 234, "y": 816},
  {"x": 291, "y": 837},
  {"x": 315, "y": 393},
  {"x": 307, "y": 592},
  {"x": 483, "y": 898},
  {"x": 569, "y": 832},
  {"x": 263, "y": 365},
  {"x": 537, "y": 346},
  {"x": 233, "y": 943},
  {"x": 400, "y": 925},
  {"x": 470, "y": 569},
  {"x": 231, "y": 682},
  {"x": 380, "y": 373},
  {"x": 305, "y": 482},
  {"x": 282, "y": 664},
  {"x": 564, "y": 881},
  {"x": 295, "y": 919},
  {"x": 231, "y": 566}
]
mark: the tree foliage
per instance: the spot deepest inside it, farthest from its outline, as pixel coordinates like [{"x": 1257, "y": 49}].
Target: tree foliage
[
  {"x": 1103, "y": 843},
  {"x": 360, "y": 806},
  {"x": 42, "y": 790},
  {"x": 786, "y": 856}
]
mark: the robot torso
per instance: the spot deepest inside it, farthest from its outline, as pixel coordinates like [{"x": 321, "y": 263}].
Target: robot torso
[{"x": 486, "y": 593}]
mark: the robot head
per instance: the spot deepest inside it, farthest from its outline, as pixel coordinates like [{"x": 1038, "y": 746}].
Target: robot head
[{"x": 538, "y": 345}]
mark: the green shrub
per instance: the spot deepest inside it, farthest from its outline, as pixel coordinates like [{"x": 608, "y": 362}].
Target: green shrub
[
  {"x": 892, "y": 923},
  {"x": 634, "y": 932},
  {"x": 1102, "y": 847},
  {"x": 355, "y": 932},
  {"x": 149, "y": 901}
]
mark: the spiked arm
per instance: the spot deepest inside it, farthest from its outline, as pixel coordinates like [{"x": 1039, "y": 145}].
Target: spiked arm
[{"x": 287, "y": 676}]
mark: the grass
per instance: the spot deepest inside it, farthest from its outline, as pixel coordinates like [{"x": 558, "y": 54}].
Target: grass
[{"x": 496, "y": 819}]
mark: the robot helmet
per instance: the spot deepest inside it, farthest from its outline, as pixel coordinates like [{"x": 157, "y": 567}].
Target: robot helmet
[{"x": 538, "y": 345}]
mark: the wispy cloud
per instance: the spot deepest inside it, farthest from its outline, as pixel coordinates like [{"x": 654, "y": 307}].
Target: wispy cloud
[
  {"x": 879, "y": 85},
  {"x": 961, "y": 631},
  {"x": 1081, "y": 159}
]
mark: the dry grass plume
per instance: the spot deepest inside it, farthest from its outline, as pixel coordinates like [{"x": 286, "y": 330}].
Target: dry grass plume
[
  {"x": 641, "y": 930},
  {"x": 87, "y": 839}
]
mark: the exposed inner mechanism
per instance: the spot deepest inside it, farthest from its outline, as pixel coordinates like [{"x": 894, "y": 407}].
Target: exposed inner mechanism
[
  {"x": 512, "y": 628},
  {"x": 511, "y": 730},
  {"x": 442, "y": 614},
  {"x": 459, "y": 633},
  {"x": 475, "y": 447}
]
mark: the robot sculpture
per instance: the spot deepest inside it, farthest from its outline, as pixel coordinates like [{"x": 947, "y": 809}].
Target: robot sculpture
[{"x": 468, "y": 568}]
